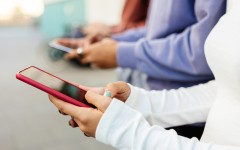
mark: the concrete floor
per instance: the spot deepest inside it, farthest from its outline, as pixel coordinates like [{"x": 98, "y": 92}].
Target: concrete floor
[{"x": 28, "y": 121}]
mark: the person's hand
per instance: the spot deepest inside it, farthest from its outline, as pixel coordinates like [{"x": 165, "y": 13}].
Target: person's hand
[
  {"x": 71, "y": 43},
  {"x": 88, "y": 125},
  {"x": 120, "y": 90},
  {"x": 103, "y": 54},
  {"x": 75, "y": 43},
  {"x": 98, "y": 90},
  {"x": 97, "y": 28},
  {"x": 86, "y": 119}
]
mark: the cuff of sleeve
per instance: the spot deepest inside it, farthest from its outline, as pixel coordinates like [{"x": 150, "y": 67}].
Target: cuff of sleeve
[
  {"x": 104, "y": 128},
  {"x": 111, "y": 130},
  {"x": 117, "y": 37},
  {"x": 133, "y": 94},
  {"x": 126, "y": 55}
]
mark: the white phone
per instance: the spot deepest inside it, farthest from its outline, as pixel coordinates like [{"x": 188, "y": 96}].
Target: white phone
[{"x": 56, "y": 45}]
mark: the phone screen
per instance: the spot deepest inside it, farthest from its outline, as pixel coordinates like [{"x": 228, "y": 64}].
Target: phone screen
[
  {"x": 56, "y": 84},
  {"x": 56, "y": 45}
]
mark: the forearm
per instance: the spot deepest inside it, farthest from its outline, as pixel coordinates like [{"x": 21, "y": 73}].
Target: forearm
[
  {"x": 169, "y": 108},
  {"x": 125, "y": 128},
  {"x": 178, "y": 56},
  {"x": 131, "y": 35}
]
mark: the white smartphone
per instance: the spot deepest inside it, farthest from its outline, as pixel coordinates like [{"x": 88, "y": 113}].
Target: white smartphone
[{"x": 56, "y": 45}]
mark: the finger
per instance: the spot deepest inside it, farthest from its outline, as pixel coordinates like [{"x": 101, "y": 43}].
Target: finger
[
  {"x": 116, "y": 87},
  {"x": 86, "y": 59},
  {"x": 61, "y": 113},
  {"x": 69, "y": 42},
  {"x": 88, "y": 41},
  {"x": 75, "y": 43},
  {"x": 86, "y": 56},
  {"x": 64, "y": 42},
  {"x": 101, "y": 102},
  {"x": 72, "y": 54},
  {"x": 119, "y": 90},
  {"x": 65, "y": 107},
  {"x": 61, "y": 41},
  {"x": 86, "y": 88},
  {"x": 91, "y": 39},
  {"x": 72, "y": 123},
  {"x": 98, "y": 90}
]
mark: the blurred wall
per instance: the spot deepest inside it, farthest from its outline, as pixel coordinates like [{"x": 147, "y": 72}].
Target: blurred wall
[
  {"x": 60, "y": 15},
  {"x": 107, "y": 11}
]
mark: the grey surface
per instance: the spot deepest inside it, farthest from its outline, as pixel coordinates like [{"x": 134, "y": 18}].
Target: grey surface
[{"x": 28, "y": 121}]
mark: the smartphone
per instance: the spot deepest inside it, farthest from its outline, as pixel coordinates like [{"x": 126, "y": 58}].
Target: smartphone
[
  {"x": 53, "y": 85},
  {"x": 56, "y": 45}
]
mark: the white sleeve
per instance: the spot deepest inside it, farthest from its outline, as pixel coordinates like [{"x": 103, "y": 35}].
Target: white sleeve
[
  {"x": 169, "y": 108},
  {"x": 125, "y": 128}
]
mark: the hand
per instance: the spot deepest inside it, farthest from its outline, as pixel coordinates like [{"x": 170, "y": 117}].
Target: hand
[
  {"x": 71, "y": 43},
  {"x": 120, "y": 90},
  {"x": 102, "y": 54},
  {"x": 86, "y": 118},
  {"x": 97, "y": 28},
  {"x": 80, "y": 42},
  {"x": 98, "y": 90}
]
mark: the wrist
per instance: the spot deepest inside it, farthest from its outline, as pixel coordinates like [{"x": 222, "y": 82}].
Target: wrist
[{"x": 126, "y": 55}]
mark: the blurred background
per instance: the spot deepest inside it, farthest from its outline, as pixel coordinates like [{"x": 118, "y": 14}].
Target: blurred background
[{"x": 27, "y": 119}]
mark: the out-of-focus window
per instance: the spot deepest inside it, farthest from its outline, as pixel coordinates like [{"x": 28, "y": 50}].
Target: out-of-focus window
[
  {"x": 61, "y": 16},
  {"x": 105, "y": 11},
  {"x": 20, "y": 12}
]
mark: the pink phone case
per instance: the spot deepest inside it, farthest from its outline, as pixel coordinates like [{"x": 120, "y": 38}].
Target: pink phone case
[{"x": 49, "y": 90}]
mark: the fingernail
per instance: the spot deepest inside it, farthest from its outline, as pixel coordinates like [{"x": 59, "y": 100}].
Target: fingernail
[
  {"x": 70, "y": 124},
  {"x": 107, "y": 93}
]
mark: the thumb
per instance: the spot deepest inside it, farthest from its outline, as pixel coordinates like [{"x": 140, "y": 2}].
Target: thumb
[
  {"x": 101, "y": 102},
  {"x": 89, "y": 40},
  {"x": 98, "y": 90},
  {"x": 72, "y": 54},
  {"x": 119, "y": 90}
]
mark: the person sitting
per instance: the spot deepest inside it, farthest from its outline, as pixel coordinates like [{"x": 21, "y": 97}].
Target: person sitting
[
  {"x": 134, "y": 118},
  {"x": 169, "y": 49},
  {"x": 134, "y": 15}
]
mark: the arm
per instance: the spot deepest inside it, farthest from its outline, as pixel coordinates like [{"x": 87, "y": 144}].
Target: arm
[
  {"x": 116, "y": 124},
  {"x": 178, "y": 56},
  {"x": 131, "y": 35},
  {"x": 125, "y": 128},
  {"x": 174, "y": 107},
  {"x": 134, "y": 15}
]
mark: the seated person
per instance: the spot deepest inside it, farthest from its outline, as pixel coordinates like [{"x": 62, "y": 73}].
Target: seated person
[
  {"x": 169, "y": 49},
  {"x": 138, "y": 123},
  {"x": 133, "y": 16}
]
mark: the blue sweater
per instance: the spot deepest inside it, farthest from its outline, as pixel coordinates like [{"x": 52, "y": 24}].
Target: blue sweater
[{"x": 170, "y": 48}]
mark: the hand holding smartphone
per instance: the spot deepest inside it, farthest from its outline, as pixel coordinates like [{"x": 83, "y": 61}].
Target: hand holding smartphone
[
  {"x": 53, "y": 85},
  {"x": 54, "y": 44}
]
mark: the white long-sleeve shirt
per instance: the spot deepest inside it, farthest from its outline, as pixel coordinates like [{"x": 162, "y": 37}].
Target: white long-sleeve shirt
[
  {"x": 125, "y": 128},
  {"x": 170, "y": 108},
  {"x": 139, "y": 124}
]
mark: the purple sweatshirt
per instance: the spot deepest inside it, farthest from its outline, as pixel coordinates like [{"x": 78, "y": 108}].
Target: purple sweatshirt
[{"x": 170, "y": 49}]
